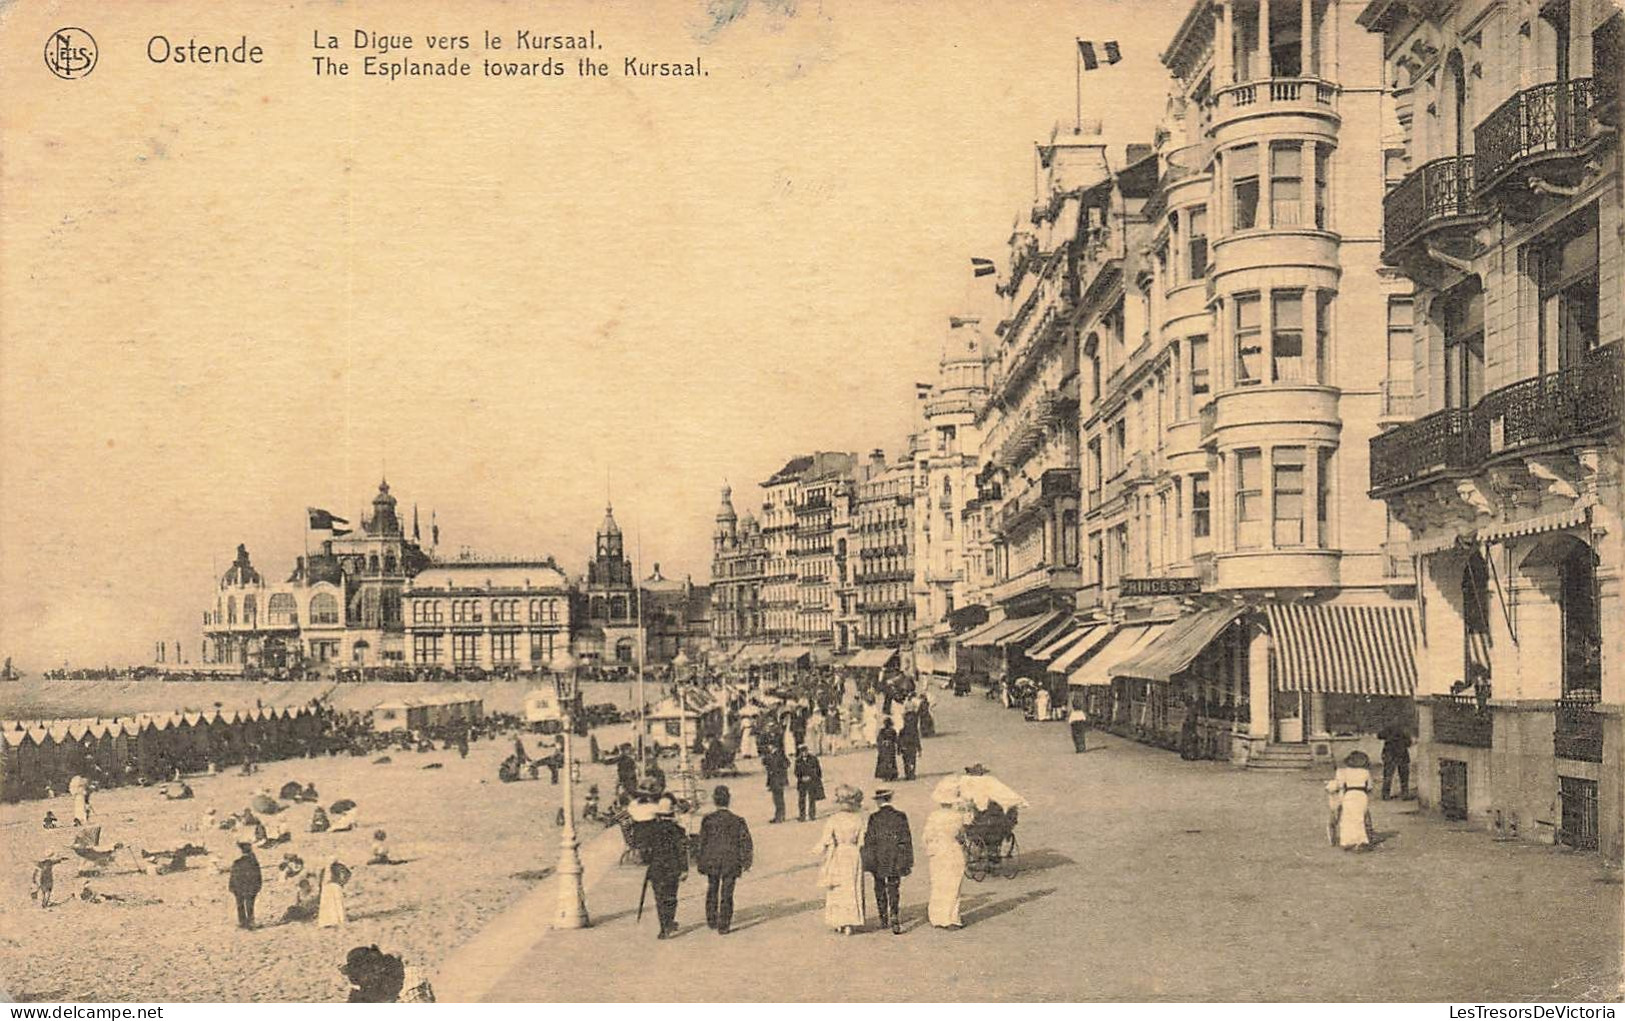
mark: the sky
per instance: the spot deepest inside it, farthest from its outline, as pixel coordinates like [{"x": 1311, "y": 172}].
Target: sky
[{"x": 229, "y": 293}]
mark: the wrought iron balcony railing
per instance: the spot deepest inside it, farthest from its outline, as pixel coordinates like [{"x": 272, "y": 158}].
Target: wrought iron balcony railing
[
  {"x": 1544, "y": 119},
  {"x": 1458, "y": 720},
  {"x": 1431, "y": 444},
  {"x": 1437, "y": 193},
  {"x": 1580, "y": 401},
  {"x": 1578, "y": 732}
]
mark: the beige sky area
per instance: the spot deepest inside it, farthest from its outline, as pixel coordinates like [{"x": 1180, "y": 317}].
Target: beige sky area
[{"x": 229, "y": 292}]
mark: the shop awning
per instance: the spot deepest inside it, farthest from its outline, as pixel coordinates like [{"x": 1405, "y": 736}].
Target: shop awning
[
  {"x": 1061, "y": 625},
  {"x": 1029, "y": 630},
  {"x": 790, "y": 653},
  {"x": 994, "y": 635},
  {"x": 1343, "y": 650},
  {"x": 1074, "y": 654},
  {"x": 1097, "y": 668},
  {"x": 873, "y": 659},
  {"x": 979, "y": 630},
  {"x": 1179, "y": 645},
  {"x": 1061, "y": 640},
  {"x": 1569, "y": 518}
]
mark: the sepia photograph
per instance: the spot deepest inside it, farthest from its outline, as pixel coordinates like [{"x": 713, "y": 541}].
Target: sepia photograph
[{"x": 812, "y": 501}]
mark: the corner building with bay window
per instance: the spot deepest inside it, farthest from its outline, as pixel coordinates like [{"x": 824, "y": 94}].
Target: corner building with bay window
[{"x": 1226, "y": 440}]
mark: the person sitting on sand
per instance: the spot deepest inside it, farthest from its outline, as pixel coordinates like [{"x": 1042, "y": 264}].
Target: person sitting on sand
[
  {"x": 319, "y": 822},
  {"x": 380, "y": 850},
  {"x": 309, "y": 793},
  {"x": 50, "y": 820}
]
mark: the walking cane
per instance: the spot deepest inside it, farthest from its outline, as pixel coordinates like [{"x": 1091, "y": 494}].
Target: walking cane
[{"x": 642, "y": 895}]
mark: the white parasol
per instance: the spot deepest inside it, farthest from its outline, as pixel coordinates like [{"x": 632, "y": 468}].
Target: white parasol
[{"x": 977, "y": 790}]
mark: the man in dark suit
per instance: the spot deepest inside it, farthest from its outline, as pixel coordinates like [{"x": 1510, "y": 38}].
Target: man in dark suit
[
  {"x": 245, "y": 884},
  {"x": 908, "y": 743},
  {"x": 809, "y": 784},
  {"x": 665, "y": 849},
  {"x": 777, "y": 766},
  {"x": 725, "y": 853},
  {"x": 888, "y": 853}
]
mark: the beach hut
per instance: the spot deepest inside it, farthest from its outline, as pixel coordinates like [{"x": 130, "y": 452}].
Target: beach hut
[
  {"x": 396, "y": 715},
  {"x": 12, "y": 739}
]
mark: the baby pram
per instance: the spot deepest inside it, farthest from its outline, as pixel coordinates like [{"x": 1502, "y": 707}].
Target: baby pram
[{"x": 989, "y": 838}]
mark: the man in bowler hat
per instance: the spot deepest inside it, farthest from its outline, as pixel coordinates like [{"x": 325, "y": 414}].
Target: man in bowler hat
[
  {"x": 725, "y": 853},
  {"x": 665, "y": 849}
]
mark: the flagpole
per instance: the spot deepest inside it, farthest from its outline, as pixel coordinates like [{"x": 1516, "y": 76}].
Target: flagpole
[{"x": 1077, "y": 75}]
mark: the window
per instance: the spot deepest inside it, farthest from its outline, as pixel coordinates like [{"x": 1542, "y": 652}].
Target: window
[
  {"x": 1582, "y": 625},
  {"x": 1095, "y": 473},
  {"x": 1463, "y": 314},
  {"x": 1249, "y": 499},
  {"x": 426, "y": 648},
  {"x": 1097, "y": 558},
  {"x": 1286, "y": 184},
  {"x": 1243, "y": 163},
  {"x": 1200, "y": 384},
  {"x": 231, "y": 609},
  {"x": 1249, "y": 341},
  {"x": 1196, "y": 246},
  {"x": 1566, "y": 268},
  {"x": 1201, "y": 507},
  {"x": 1069, "y": 537},
  {"x": 465, "y": 650},
  {"x": 1323, "y": 336},
  {"x": 282, "y": 609},
  {"x": 250, "y": 610},
  {"x": 505, "y": 648},
  {"x": 1475, "y": 620},
  {"x": 1286, "y": 336},
  {"x": 1288, "y": 464},
  {"x": 1323, "y": 159},
  {"x": 1323, "y": 497},
  {"x": 324, "y": 608},
  {"x": 1119, "y": 434}
]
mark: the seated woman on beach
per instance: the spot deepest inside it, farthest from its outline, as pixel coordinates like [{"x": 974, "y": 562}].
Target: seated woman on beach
[{"x": 318, "y": 821}]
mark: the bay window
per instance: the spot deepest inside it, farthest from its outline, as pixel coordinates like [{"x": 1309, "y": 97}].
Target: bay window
[
  {"x": 1243, "y": 164},
  {"x": 1249, "y": 499},
  {"x": 1288, "y": 503},
  {"x": 1201, "y": 507},
  {"x": 1196, "y": 241},
  {"x": 1200, "y": 384},
  {"x": 1323, "y": 157},
  {"x": 1249, "y": 341},
  {"x": 1286, "y": 336},
  {"x": 1286, "y": 184},
  {"x": 1323, "y": 497}
]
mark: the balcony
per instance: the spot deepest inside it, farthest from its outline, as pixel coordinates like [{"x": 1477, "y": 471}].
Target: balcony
[
  {"x": 1044, "y": 576},
  {"x": 1542, "y": 411},
  {"x": 1548, "y": 125},
  {"x": 1434, "y": 203},
  {"x": 1578, "y": 733},
  {"x": 1458, "y": 720},
  {"x": 1273, "y": 94}
]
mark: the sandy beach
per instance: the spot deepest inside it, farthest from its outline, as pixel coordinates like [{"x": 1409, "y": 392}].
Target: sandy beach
[{"x": 471, "y": 846}]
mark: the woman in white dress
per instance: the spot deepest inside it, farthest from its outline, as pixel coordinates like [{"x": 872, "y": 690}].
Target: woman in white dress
[
  {"x": 841, "y": 874},
  {"x": 1351, "y": 790},
  {"x": 330, "y": 908},
  {"x": 871, "y": 724},
  {"x": 941, "y": 838}
]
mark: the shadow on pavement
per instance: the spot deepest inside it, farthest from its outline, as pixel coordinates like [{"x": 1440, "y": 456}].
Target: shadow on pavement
[
  {"x": 533, "y": 875},
  {"x": 983, "y": 912},
  {"x": 1041, "y": 860},
  {"x": 754, "y": 916}
]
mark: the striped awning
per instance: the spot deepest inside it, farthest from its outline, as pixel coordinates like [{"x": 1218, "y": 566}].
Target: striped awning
[
  {"x": 1060, "y": 625},
  {"x": 1343, "y": 650},
  {"x": 1029, "y": 630},
  {"x": 1569, "y": 518},
  {"x": 1060, "y": 640},
  {"x": 979, "y": 630},
  {"x": 1179, "y": 645},
  {"x": 1001, "y": 632},
  {"x": 1091, "y": 638},
  {"x": 1098, "y": 667}
]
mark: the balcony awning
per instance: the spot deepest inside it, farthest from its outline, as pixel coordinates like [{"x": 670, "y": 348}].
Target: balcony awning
[
  {"x": 994, "y": 635},
  {"x": 1179, "y": 645},
  {"x": 1034, "y": 627},
  {"x": 1343, "y": 650},
  {"x": 1097, "y": 667},
  {"x": 872, "y": 659},
  {"x": 1535, "y": 526}
]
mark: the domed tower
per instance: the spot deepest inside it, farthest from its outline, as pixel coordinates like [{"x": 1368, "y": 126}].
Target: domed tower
[
  {"x": 384, "y": 520},
  {"x": 727, "y": 530}
]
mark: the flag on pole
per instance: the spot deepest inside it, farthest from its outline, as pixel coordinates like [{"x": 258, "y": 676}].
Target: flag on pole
[
  {"x": 983, "y": 267},
  {"x": 321, "y": 520},
  {"x": 1086, "y": 50}
]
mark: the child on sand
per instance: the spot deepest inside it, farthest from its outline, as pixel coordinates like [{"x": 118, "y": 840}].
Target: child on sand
[{"x": 44, "y": 881}]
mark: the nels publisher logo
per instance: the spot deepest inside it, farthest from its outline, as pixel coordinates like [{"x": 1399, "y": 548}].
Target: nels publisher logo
[{"x": 70, "y": 53}]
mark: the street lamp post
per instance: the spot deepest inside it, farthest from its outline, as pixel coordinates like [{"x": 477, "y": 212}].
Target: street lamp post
[
  {"x": 572, "y": 895},
  {"x": 679, "y": 665}
]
